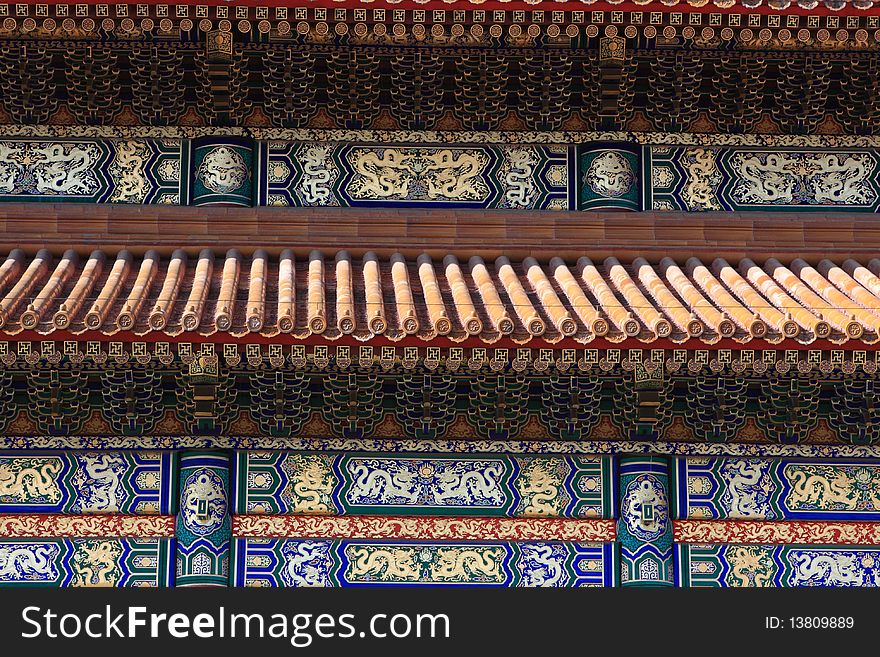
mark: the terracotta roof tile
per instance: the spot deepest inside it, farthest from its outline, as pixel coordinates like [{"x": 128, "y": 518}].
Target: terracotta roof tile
[
  {"x": 168, "y": 295},
  {"x": 370, "y": 296},
  {"x": 286, "y": 317}
]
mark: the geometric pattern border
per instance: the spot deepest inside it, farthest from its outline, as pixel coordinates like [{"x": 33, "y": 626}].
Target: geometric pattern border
[
  {"x": 444, "y": 446},
  {"x": 369, "y": 136},
  {"x": 572, "y": 20},
  {"x": 743, "y": 532},
  {"x": 425, "y": 528},
  {"x": 521, "y": 360},
  {"x": 33, "y": 525}
]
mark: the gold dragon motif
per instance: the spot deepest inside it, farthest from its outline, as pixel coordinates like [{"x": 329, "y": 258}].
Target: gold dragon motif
[
  {"x": 311, "y": 484},
  {"x": 95, "y": 563},
  {"x": 540, "y": 484},
  {"x": 25, "y": 479},
  {"x": 751, "y": 566}
]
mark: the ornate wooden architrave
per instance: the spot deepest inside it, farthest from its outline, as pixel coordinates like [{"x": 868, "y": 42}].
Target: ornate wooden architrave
[{"x": 503, "y": 293}]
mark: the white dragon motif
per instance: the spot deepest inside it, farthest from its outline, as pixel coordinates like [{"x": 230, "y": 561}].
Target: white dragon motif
[
  {"x": 519, "y": 177},
  {"x": 418, "y": 174},
  {"x": 815, "y": 568},
  {"x": 130, "y": 182},
  {"x": 33, "y": 562},
  {"x": 543, "y": 566},
  {"x": 767, "y": 182},
  {"x": 319, "y": 173},
  {"x": 610, "y": 174},
  {"x": 306, "y": 563},
  {"x": 703, "y": 178},
  {"x": 842, "y": 179},
  {"x": 474, "y": 484},
  {"x": 61, "y": 168},
  {"x": 747, "y": 489},
  {"x": 98, "y": 482},
  {"x": 431, "y": 483},
  {"x": 223, "y": 170},
  {"x": 203, "y": 502},
  {"x": 373, "y": 483},
  {"x": 645, "y": 490},
  {"x": 803, "y": 178}
]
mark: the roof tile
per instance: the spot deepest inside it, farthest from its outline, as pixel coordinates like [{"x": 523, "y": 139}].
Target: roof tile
[{"x": 394, "y": 298}]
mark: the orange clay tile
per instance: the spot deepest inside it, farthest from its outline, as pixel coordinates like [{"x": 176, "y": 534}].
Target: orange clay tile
[
  {"x": 844, "y": 281},
  {"x": 763, "y": 281},
  {"x": 195, "y": 304},
  {"x": 286, "y": 316},
  {"x": 779, "y": 321},
  {"x": 56, "y": 282},
  {"x": 406, "y": 308},
  {"x": 228, "y": 289},
  {"x": 699, "y": 305},
  {"x": 433, "y": 298},
  {"x": 167, "y": 297},
  {"x": 580, "y": 304},
  {"x": 640, "y": 305},
  {"x": 317, "y": 314},
  {"x": 461, "y": 297},
  {"x": 488, "y": 292},
  {"x": 685, "y": 319},
  {"x": 256, "y": 302},
  {"x": 138, "y": 294},
  {"x": 518, "y": 297},
  {"x": 373, "y": 292},
  {"x": 550, "y": 302},
  {"x": 107, "y": 296},
  {"x": 529, "y": 301},
  {"x": 345, "y": 318}
]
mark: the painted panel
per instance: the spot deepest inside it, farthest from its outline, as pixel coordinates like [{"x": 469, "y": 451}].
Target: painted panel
[
  {"x": 204, "y": 526},
  {"x": 503, "y": 485},
  {"x": 315, "y": 562},
  {"x": 96, "y": 171},
  {"x": 87, "y": 482},
  {"x": 644, "y": 530},
  {"x": 769, "y": 489},
  {"x": 713, "y": 179},
  {"x": 324, "y": 174},
  {"x": 86, "y": 562},
  {"x": 223, "y": 171},
  {"x": 776, "y": 565},
  {"x": 608, "y": 177}
]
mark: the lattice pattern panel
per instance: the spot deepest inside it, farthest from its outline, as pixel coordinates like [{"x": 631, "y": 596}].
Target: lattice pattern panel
[
  {"x": 742, "y": 179},
  {"x": 294, "y": 563},
  {"x": 87, "y": 482},
  {"x": 324, "y": 174},
  {"x": 86, "y": 562},
  {"x": 786, "y": 489},
  {"x": 142, "y": 171},
  {"x": 502, "y": 485},
  {"x": 776, "y": 565}
]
